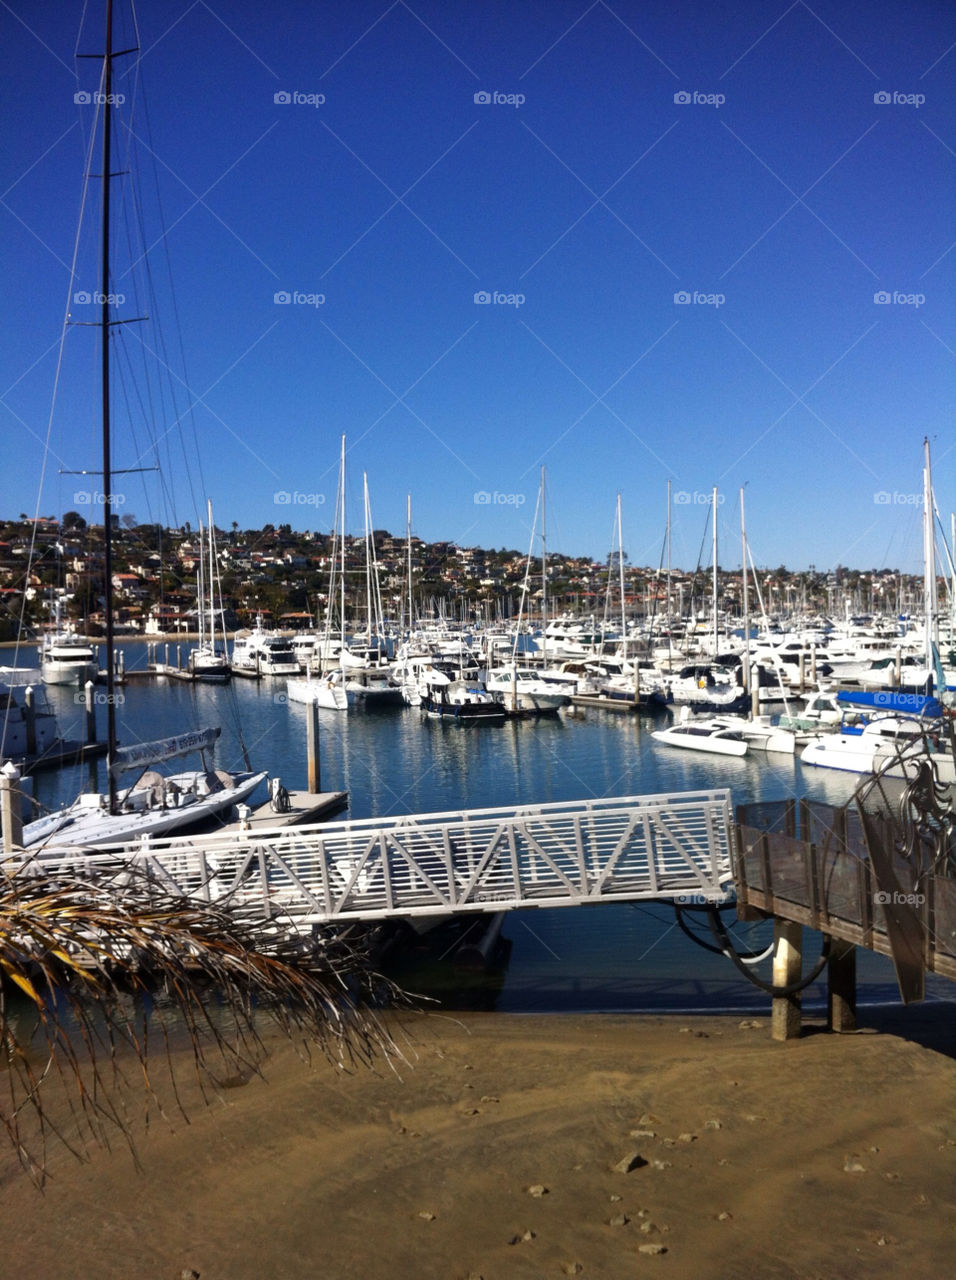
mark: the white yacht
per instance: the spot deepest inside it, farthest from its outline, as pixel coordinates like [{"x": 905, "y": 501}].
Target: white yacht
[
  {"x": 703, "y": 735},
  {"x": 892, "y": 745},
  {"x": 521, "y": 689},
  {"x": 264, "y": 651},
  {"x": 68, "y": 658}
]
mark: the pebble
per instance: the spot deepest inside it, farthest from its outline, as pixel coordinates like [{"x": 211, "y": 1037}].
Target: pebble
[
  {"x": 749, "y": 1024},
  {"x": 687, "y": 1137},
  {"x": 489, "y": 1097},
  {"x": 426, "y": 1215},
  {"x": 648, "y": 1119},
  {"x": 642, "y": 1133},
  {"x": 537, "y": 1190},
  {"x": 724, "y": 1217},
  {"x": 713, "y": 1124},
  {"x": 652, "y": 1248},
  {"x": 649, "y": 1228},
  {"x": 526, "y": 1236},
  {"x": 851, "y": 1164},
  {"x": 661, "y": 1164},
  {"x": 572, "y": 1268},
  {"x": 628, "y": 1163},
  {"x": 615, "y": 1199},
  {"x": 470, "y": 1111},
  {"x": 619, "y": 1220},
  {"x": 188, "y": 1273}
]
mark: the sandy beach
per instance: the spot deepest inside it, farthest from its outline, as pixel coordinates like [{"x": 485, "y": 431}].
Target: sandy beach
[{"x": 521, "y": 1146}]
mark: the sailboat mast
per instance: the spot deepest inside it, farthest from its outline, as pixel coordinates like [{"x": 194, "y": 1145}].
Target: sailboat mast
[
  {"x": 930, "y": 608},
  {"x": 544, "y": 581},
  {"x": 212, "y": 606},
  {"x": 714, "y": 504},
  {"x": 744, "y": 592},
  {"x": 408, "y": 530},
  {"x": 105, "y": 392},
  {"x": 342, "y": 547},
  {"x": 201, "y": 593},
  {"x": 368, "y": 557},
  {"x": 620, "y": 567}
]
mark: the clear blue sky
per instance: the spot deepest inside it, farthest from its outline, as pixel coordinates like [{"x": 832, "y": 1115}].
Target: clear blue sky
[{"x": 781, "y": 189}]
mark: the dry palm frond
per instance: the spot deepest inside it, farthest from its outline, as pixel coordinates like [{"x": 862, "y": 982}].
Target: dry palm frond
[{"x": 89, "y": 974}]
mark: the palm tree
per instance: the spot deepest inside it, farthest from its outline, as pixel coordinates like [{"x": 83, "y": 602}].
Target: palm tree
[{"x": 85, "y": 966}]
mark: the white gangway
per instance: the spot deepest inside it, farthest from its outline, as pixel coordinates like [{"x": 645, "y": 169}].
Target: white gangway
[{"x": 677, "y": 846}]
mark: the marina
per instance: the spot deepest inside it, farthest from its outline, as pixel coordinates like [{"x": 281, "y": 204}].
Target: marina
[{"x": 398, "y": 761}]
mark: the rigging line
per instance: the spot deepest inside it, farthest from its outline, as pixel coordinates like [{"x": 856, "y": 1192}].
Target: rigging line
[{"x": 53, "y": 399}]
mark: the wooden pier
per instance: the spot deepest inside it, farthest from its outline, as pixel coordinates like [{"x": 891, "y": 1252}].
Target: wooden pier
[{"x": 859, "y": 876}]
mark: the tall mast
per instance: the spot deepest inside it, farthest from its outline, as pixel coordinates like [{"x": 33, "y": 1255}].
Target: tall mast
[
  {"x": 212, "y": 608},
  {"x": 408, "y": 531},
  {"x": 368, "y": 556},
  {"x": 200, "y": 592},
  {"x": 342, "y": 548},
  {"x": 620, "y": 566},
  {"x": 669, "y": 622},
  {"x": 714, "y": 503},
  {"x": 544, "y": 580},
  {"x": 105, "y": 392},
  {"x": 744, "y": 592},
  {"x": 930, "y": 608}
]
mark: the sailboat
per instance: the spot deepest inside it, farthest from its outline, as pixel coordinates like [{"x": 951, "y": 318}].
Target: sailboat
[
  {"x": 328, "y": 689},
  {"x": 206, "y": 662},
  {"x": 151, "y": 804}
]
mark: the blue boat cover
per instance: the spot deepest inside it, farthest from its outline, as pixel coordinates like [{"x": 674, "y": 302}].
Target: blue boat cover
[{"x": 912, "y": 704}]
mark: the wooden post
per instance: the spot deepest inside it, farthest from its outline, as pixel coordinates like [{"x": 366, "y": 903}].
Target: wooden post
[
  {"x": 312, "y": 747},
  {"x": 11, "y": 811},
  {"x": 803, "y": 671},
  {"x": 841, "y": 987},
  {"x": 90, "y": 711},
  {"x": 787, "y": 967}
]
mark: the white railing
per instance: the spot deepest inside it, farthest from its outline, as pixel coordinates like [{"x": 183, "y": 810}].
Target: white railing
[{"x": 550, "y": 855}]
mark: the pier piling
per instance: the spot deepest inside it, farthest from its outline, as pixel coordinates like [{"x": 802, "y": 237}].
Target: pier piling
[
  {"x": 841, "y": 987},
  {"x": 11, "y": 810},
  {"x": 312, "y": 747},
  {"x": 787, "y": 965},
  {"x": 90, "y": 712}
]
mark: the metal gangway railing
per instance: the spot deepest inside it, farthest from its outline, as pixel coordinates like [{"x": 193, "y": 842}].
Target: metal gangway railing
[{"x": 548, "y": 855}]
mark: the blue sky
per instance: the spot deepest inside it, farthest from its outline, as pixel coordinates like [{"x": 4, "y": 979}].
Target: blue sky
[{"x": 716, "y": 255}]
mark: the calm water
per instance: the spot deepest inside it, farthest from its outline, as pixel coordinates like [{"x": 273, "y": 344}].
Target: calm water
[{"x": 395, "y": 761}]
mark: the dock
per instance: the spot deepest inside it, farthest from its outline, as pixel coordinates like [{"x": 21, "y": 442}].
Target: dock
[
  {"x": 304, "y": 807},
  {"x": 626, "y": 705}
]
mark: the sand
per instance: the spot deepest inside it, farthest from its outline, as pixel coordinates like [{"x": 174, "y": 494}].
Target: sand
[{"x": 502, "y": 1153}]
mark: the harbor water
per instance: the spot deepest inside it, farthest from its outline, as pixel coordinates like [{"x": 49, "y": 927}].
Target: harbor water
[{"x": 397, "y": 761}]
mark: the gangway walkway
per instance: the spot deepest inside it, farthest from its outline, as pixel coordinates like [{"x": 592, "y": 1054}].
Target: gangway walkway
[{"x": 550, "y": 855}]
